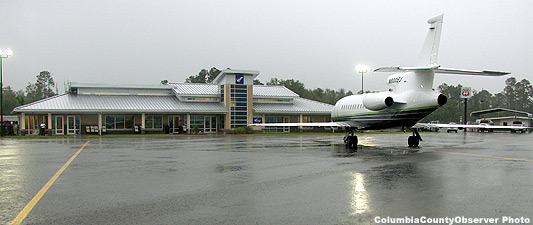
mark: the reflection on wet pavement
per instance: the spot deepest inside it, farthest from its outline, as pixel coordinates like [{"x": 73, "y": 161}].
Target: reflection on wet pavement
[
  {"x": 359, "y": 195},
  {"x": 296, "y": 179}
]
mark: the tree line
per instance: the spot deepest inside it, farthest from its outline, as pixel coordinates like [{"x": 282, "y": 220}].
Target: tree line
[
  {"x": 517, "y": 95},
  {"x": 43, "y": 87}
]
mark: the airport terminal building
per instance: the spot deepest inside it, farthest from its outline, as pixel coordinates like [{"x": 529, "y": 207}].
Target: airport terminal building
[{"x": 230, "y": 101}]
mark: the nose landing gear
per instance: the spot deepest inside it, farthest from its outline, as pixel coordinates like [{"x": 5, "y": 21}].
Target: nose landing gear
[
  {"x": 350, "y": 140},
  {"x": 414, "y": 140}
]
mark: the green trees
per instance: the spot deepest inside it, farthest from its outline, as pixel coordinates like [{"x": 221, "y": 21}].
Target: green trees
[
  {"x": 515, "y": 95},
  {"x": 204, "y": 76},
  {"x": 11, "y": 99},
  {"x": 42, "y": 88},
  {"x": 327, "y": 96},
  {"x": 518, "y": 95}
]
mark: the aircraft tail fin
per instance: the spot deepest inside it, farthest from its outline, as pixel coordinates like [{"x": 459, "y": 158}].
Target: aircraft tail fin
[
  {"x": 430, "y": 49},
  {"x": 427, "y": 60}
]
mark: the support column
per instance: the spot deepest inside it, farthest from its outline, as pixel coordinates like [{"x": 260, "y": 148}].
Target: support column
[
  {"x": 301, "y": 119},
  {"x": 188, "y": 123},
  {"x": 100, "y": 124},
  {"x": 227, "y": 104},
  {"x": 464, "y": 118},
  {"x": 250, "y": 104},
  {"x": 22, "y": 124},
  {"x": 263, "y": 120},
  {"x": 143, "y": 123},
  {"x": 49, "y": 125}
]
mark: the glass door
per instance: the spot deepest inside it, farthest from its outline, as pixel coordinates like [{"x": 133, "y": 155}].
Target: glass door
[
  {"x": 286, "y": 120},
  {"x": 58, "y": 126},
  {"x": 32, "y": 125},
  {"x": 210, "y": 124},
  {"x": 213, "y": 124},
  {"x": 71, "y": 125},
  {"x": 176, "y": 125}
]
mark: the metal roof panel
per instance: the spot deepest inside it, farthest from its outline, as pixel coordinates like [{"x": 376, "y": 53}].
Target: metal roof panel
[
  {"x": 300, "y": 105},
  {"x": 195, "y": 89},
  {"x": 273, "y": 91},
  {"x": 123, "y": 104}
]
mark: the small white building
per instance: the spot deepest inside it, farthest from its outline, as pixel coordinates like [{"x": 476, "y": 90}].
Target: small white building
[
  {"x": 508, "y": 120},
  {"x": 527, "y": 119}
]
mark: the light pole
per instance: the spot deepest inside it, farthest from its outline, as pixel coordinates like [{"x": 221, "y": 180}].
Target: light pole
[
  {"x": 362, "y": 69},
  {"x": 3, "y": 54}
]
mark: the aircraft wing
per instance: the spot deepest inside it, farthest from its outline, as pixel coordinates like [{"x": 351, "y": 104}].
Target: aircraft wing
[
  {"x": 325, "y": 124},
  {"x": 469, "y": 126}
]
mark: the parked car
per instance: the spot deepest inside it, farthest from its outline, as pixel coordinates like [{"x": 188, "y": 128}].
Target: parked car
[
  {"x": 519, "y": 124},
  {"x": 452, "y": 129},
  {"x": 485, "y": 123}
]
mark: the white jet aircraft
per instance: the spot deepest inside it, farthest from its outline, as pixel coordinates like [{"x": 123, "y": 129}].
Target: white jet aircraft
[{"x": 410, "y": 97}]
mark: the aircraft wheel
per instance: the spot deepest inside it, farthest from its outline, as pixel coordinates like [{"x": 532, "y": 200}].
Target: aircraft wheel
[
  {"x": 352, "y": 142},
  {"x": 413, "y": 141}
]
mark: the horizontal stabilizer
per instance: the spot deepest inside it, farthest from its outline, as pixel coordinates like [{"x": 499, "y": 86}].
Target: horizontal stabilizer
[
  {"x": 330, "y": 124},
  {"x": 478, "y": 126},
  {"x": 438, "y": 69},
  {"x": 470, "y": 72},
  {"x": 403, "y": 68}
]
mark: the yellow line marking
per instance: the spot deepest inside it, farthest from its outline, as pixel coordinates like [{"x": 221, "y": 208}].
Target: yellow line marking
[
  {"x": 22, "y": 215},
  {"x": 484, "y": 156}
]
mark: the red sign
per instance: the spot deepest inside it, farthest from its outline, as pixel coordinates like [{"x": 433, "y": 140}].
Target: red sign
[{"x": 466, "y": 92}]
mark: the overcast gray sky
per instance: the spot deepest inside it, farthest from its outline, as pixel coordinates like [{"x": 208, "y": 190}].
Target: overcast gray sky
[{"x": 316, "y": 42}]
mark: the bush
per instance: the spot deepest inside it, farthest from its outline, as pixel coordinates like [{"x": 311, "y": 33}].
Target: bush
[
  {"x": 196, "y": 129},
  {"x": 242, "y": 130}
]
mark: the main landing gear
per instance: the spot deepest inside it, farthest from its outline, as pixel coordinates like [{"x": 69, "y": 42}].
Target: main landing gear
[
  {"x": 350, "y": 140},
  {"x": 414, "y": 141}
]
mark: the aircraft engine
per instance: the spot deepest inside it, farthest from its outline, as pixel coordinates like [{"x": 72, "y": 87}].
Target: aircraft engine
[
  {"x": 377, "y": 101},
  {"x": 442, "y": 99}
]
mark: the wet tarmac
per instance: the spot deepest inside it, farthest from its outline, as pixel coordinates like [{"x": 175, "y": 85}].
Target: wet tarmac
[{"x": 295, "y": 179}]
